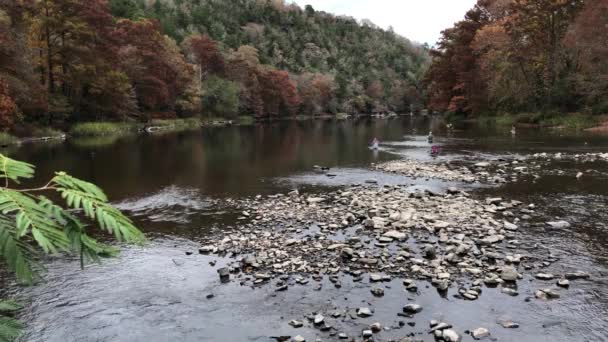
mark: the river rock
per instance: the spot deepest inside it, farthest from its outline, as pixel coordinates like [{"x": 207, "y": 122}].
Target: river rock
[
  {"x": 563, "y": 283},
  {"x": 480, "y": 333},
  {"x": 296, "y": 324},
  {"x": 546, "y": 294},
  {"x": 315, "y": 200},
  {"x": 376, "y": 327},
  {"x": 396, "y": 235},
  {"x": 319, "y": 319},
  {"x": 378, "y": 292},
  {"x": 224, "y": 274},
  {"x": 577, "y": 275},
  {"x": 508, "y": 273},
  {"x": 509, "y": 324},
  {"x": 510, "y": 226},
  {"x": 412, "y": 308},
  {"x": 559, "y": 224},
  {"x": 206, "y": 249},
  {"x": 299, "y": 338},
  {"x": 449, "y": 335},
  {"x": 544, "y": 276},
  {"x": 364, "y": 312}
]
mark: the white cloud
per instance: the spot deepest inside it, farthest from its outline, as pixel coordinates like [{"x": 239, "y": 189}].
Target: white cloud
[{"x": 418, "y": 20}]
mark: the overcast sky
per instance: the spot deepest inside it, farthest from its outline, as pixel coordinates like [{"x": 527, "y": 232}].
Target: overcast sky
[{"x": 418, "y": 20}]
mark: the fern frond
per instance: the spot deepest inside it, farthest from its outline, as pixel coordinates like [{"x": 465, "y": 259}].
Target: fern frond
[
  {"x": 10, "y": 329},
  {"x": 87, "y": 247},
  {"x": 79, "y": 194},
  {"x": 68, "y": 182},
  {"x": 31, "y": 217},
  {"x": 14, "y": 169},
  {"x": 9, "y": 306},
  {"x": 18, "y": 255}
]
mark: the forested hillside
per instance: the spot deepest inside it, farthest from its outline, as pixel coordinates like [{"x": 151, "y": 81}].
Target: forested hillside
[
  {"x": 71, "y": 60},
  {"x": 523, "y": 55}
]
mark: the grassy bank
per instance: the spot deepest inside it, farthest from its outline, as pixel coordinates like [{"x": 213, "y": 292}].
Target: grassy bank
[
  {"x": 576, "y": 121},
  {"x": 246, "y": 120},
  {"x": 177, "y": 124},
  {"x": 96, "y": 129},
  {"x": 7, "y": 139}
]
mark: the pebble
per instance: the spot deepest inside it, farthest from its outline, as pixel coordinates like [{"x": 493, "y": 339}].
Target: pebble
[
  {"x": 378, "y": 292},
  {"x": 480, "y": 333},
  {"x": 364, "y": 312},
  {"x": 412, "y": 308},
  {"x": 449, "y": 335}
]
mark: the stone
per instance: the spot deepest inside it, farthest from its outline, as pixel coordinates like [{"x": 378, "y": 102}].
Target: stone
[
  {"x": 342, "y": 336},
  {"x": 206, "y": 249},
  {"x": 559, "y": 224},
  {"x": 430, "y": 252},
  {"x": 510, "y": 226},
  {"x": 364, "y": 312},
  {"x": 480, "y": 333},
  {"x": 315, "y": 200},
  {"x": 299, "y": 338},
  {"x": 577, "y": 275},
  {"x": 376, "y": 327},
  {"x": 509, "y": 291},
  {"x": 378, "y": 292},
  {"x": 396, "y": 235},
  {"x": 319, "y": 319},
  {"x": 509, "y": 324},
  {"x": 375, "y": 277},
  {"x": 548, "y": 294},
  {"x": 449, "y": 335},
  {"x": 508, "y": 273},
  {"x": 296, "y": 324},
  {"x": 262, "y": 276},
  {"x": 440, "y": 327},
  {"x": 563, "y": 283},
  {"x": 224, "y": 274},
  {"x": 544, "y": 276},
  {"x": 412, "y": 308}
]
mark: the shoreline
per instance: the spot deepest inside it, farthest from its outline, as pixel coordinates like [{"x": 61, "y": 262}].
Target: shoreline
[{"x": 164, "y": 126}]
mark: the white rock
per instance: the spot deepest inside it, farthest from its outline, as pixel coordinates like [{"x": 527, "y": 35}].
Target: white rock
[
  {"x": 480, "y": 333},
  {"x": 396, "y": 235},
  {"x": 559, "y": 224}
]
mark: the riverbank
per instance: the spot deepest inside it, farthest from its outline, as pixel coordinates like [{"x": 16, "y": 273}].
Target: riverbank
[
  {"x": 571, "y": 121},
  {"x": 99, "y": 133}
]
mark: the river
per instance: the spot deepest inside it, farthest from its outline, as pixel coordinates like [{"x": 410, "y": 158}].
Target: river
[{"x": 179, "y": 187}]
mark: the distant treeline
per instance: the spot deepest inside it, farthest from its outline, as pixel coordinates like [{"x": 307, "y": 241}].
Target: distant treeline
[
  {"x": 72, "y": 60},
  {"x": 523, "y": 56}
]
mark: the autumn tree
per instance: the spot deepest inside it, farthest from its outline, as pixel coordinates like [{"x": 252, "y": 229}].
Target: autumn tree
[
  {"x": 8, "y": 108},
  {"x": 279, "y": 93},
  {"x": 452, "y": 76},
  {"x": 588, "y": 38},
  {"x": 153, "y": 62},
  {"x": 205, "y": 53},
  {"x": 537, "y": 29}
]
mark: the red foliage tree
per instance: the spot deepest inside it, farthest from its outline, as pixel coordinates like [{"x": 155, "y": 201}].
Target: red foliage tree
[
  {"x": 206, "y": 54},
  {"x": 152, "y": 62},
  {"x": 8, "y": 108},
  {"x": 279, "y": 93}
]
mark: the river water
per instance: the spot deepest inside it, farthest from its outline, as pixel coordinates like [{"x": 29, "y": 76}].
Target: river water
[{"x": 178, "y": 187}]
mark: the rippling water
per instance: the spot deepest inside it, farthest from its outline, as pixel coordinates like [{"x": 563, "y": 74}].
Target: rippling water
[{"x": 179, "y": 187}]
